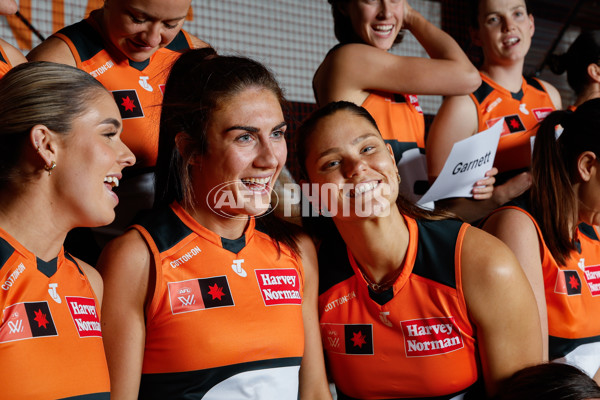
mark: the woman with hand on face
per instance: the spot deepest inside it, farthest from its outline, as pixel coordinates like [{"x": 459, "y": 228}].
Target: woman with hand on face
[
  {"x": 582, "y": 63},
  {"x": 10, "y": 56},
  {"x": 503, "y": 29},
  {"x": 361, "y": 69},
  {"x": 224, "y": 304},
  {"x": 129, "y": 46},
  {"x": 61, "y": 157},
  {"x": 411, "y": 305},
  {"x": 551, "y": 231}
]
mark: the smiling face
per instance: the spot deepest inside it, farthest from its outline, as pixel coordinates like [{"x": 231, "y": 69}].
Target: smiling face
[
  {"x": 348, "y": 159},
  {"x": 138, "y": 28},
  {"x": 505, "y": 31},
  {"x": 246, "y": 152},
  {"x": 89, "y": 161},
  {"x": 376, "y": 22}
]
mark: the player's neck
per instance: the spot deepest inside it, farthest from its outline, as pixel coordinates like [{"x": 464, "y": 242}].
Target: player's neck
[{"x": 509, "y": 77}]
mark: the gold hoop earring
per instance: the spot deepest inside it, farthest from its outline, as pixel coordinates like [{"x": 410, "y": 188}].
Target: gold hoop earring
[{"x": 50, "y": 168}]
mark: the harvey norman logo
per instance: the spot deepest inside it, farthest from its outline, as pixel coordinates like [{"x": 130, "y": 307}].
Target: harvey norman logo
[
  {"x": 431, "y": 336},
  {"x": 279, "y": 286}
]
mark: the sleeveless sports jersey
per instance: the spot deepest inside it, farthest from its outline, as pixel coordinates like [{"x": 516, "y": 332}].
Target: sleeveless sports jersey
[
  {"x": 415, "y": 339},
  {"x": 521, "y": 111},
  {"x": 5, "y": 65},
  {"x": 401, "y": 123},
  {"x": 136, "y": 86},
  {"x": 50, "y": 339},
  {"x": 225, "y": 320},
  {"x": 572, "y": 297}
]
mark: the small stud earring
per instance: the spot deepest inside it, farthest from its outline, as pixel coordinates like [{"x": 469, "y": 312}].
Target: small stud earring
[{"x": 50, "y": 168}]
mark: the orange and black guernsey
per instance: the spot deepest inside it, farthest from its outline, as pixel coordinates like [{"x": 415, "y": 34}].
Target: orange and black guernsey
[
  {"x": 136, "y": 86},
  {"x": 50, "y": 338},
  {"x": 225, "y": 320},
  {"x": 572, "y": 296},
  {"x": 415, "y": 339},
  {"x": 5, "y": 65},
  {"x": 522, "y": 111}
]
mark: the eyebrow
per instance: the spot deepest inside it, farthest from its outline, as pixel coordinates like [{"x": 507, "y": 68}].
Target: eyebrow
[
  {"x": 252, "y": 128},
  {"x": 354, "y": 142},
  {"x": 148, "y": 16},
  {"x": 111, "y": 121}
]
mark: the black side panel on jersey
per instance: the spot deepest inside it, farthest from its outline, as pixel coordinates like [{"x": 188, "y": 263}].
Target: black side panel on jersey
[
  {"x": 588, "y": 231},
  {"x": 93, "y": 396},
  {"x": 165, "y": 227},
  {"x": 435, "y": 252},
  {"x": 334, "y": 266},
  {"x": 86, "y": 39},
  {"x": 6, "y": 250},
  {"x": 196, "y": 384},
  {"x": 482, "y": 92},
  {"x": 535, "y": 84},
  {"x": 179, "y": 43},
  {"x": 2, "y": 59}
]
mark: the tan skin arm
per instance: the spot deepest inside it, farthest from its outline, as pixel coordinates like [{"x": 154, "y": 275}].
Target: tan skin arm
[
  {"x": 125, "y": 260},
  {"x": 94, "y": 278},
  {"x": 52, "y": 49},
  {"x": 313, "y": 379},
  {"x": 15, "y": 57},
  {"x": 347, "y": 73},
  {"x": 554, "y": 95},
  {"x": 518, "y": 232},
  {"x": 502, "y": 307},
  {"x": 457, "y": 120}
]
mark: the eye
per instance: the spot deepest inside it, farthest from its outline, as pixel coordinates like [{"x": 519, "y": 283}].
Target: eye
[
  {"x": 367, "y": 149},
  {"x": 278, "y": 134},
  {"x": 244, "y": 138},
  {"x": 109, "y": 135},
  {"x": 331, "y": 164},
  {"x": 136, "y": 20},
  {"x": 492, "y": 20},
  {"x": 170, "y": 26}
]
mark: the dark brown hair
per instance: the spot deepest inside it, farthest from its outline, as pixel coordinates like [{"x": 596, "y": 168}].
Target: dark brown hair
[
  {"x": 549, "y": 381},
  {"x": 554, "y": 170},
  {"x": 585, "y": 50}
]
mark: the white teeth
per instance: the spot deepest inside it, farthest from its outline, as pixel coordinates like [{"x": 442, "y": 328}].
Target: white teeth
[
  {"x": 364, "y": 187},
  {"x": 383, "y": 28},
  {"x": 258, "y": 181},
  {"x": 113, "y": 180},
  {"x": 511, "y": 41}
]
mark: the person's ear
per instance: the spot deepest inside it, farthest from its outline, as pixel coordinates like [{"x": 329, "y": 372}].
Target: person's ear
[
  {"x": 44, "y": 141},
  {"x": 586, "y": 165},
  {"x": 593, "y": 71},
  {"x": 185, "y": 147}
]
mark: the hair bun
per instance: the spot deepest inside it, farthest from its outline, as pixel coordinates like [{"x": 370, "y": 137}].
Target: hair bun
[{"x": 558, "y": 63}]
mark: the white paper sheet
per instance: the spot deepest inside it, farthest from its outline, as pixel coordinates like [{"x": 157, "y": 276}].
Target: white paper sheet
[{"x": 467, "y": 163}]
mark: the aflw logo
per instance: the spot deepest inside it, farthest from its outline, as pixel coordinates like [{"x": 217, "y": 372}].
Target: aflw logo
[{"x": 431, "y": 336}]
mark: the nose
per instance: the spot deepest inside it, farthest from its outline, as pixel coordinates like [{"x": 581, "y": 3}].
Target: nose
[
  {"x": 384, "y": 9},
  {"x": 507, "y": 24},
  {"x": 125, "y": 158},
  {"x": 267, "y": 156},
  {"x": 353, "y": 167},
  {"x": 153, "y": 35}
]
